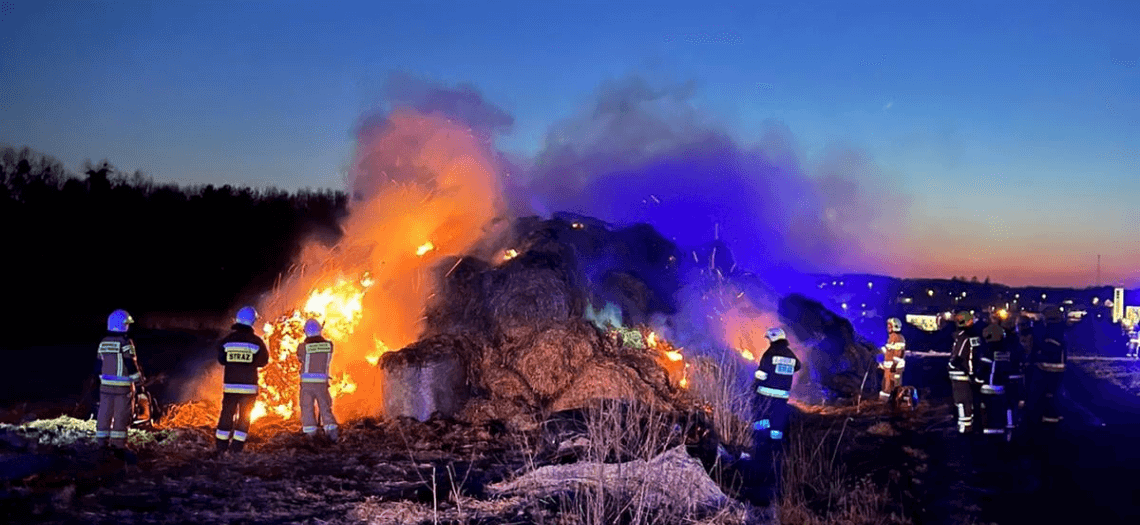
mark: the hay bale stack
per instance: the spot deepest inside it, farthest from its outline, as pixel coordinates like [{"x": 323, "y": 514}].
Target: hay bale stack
[{"x": 513, "y": 335}]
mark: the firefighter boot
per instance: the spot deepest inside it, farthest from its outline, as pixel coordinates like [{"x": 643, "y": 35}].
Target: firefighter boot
[
  {"x": 332, "y": 434},
  {"x": 221, "y": 446},
  {"x": 236, "y": 446}
]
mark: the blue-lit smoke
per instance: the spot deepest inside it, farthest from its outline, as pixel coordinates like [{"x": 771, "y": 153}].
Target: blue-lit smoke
[{"x": 646, "y": 155}]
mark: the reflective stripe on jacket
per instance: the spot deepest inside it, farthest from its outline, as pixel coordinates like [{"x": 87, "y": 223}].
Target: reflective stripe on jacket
[
  {"x": 315, "y": 355},
  {"x": 242, "y": 352},
  {"x": 118, "y": 365}
]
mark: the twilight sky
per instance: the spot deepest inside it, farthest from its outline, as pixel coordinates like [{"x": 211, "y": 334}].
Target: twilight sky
[{"x": 1009, "y": 130}]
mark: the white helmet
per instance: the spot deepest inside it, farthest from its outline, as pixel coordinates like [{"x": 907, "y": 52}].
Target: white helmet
[
  {"x": 775, "y": 334},
  {"x": 894, "y": 324}
]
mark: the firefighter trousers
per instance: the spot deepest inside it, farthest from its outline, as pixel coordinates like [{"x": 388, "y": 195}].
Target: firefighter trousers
[
  {"x": 1044, "y": 401},
  {"x": 963, "y": 393},
  {"x": 234, "y": 421},
  {"x": 995, "y": 413},
  {"x": 769, "y": 421},
  {"x": 317, "y": 393},
  {"x": 892, "y": 379},
  {"x": 114, "y": 415}
]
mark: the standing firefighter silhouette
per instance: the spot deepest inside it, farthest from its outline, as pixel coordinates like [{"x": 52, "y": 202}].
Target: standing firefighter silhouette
[
  {"x": 1047, "y": 369},
  {"x": 242, "y": 353},
  {"x": 894, "y": 359},
  {"x": 772, "y": 386},
  {"x": 992, "y": 377},
  {"x": 315, "y": 354},
  {"x": 967, "y": 348},
  {"x": 118, "y": 373}
]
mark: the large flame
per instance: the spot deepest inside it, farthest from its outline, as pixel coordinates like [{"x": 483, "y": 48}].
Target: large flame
[{"x": 423, "y": 188}]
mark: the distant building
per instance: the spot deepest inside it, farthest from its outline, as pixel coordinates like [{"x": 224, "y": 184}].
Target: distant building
[{"x": 926, "y": 323}]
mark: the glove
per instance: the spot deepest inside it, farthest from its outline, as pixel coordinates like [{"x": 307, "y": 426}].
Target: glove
[
  {"x": 761, "y": 375},
  {"x": 136, "y": 378}
]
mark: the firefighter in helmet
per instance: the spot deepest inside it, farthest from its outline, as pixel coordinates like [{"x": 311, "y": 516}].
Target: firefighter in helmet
[
  {"x": 963, "y": 355},
  {"x": 1046, "y": 369},
  {"x": 242, "y": 353},
  {"x": 315, "y": 354},
  {"x": 118, "y": 373},
  {"x": 772, "y": 386},
  {"x": 770, "y": 412},
  {"x": 991, "y": 378},
  {"x": 894, "y": 361}
]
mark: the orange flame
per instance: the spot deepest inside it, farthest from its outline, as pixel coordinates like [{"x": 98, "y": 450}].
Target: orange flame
[{"x": 416, "y": 178}]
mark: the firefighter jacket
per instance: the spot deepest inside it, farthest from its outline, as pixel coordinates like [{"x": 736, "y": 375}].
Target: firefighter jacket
[
  {"x": 117, "y": 364},
  {"x": 1049, "y": 354},
  {"x": 1016, "y": 351},
  {"x": 315, "y": 354},
  {"x": 965, "y": 353},
  {"x": 774, "y": 374},
  {"x": 993, "y": 363},
  {"x": 242, "y": 352},
  {"x": 894, "y": 352},
  {"x": 1027, "y": 339}
]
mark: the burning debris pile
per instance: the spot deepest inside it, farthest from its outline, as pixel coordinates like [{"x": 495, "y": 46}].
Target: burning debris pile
[{"x": 512, "y": 337}]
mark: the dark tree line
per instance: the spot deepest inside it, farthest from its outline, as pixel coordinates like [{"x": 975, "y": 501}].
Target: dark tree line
[{"x": 81, "y": 245}]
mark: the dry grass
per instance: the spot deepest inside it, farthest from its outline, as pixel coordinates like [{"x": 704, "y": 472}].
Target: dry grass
[
  {"x": 816, "y": 487},
  {"x": 718, "y": 385}
]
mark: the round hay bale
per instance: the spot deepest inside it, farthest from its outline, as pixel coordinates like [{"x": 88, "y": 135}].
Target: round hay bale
[
  {"x": 457, "y": 306},
  {"x": 607, "y": 380},
  {"x": 521, "y": 299},
  {"x": 550, "y": 359}
]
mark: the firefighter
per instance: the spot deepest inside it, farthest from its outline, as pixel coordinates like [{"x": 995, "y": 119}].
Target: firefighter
[
  {"x": 315, "y": 354},
  {"x": 118, "y": 373},
  {"x": 242, "y": 353},
  {"x": 772, "y": 385},
  {"x": 1015, "y": 383},
  {"x": 963, "y": 356},
  {"x": 894, "y": 361},
  {"x": 770, "y": 413},
  {"x": 991, "y": 376},
  {"x": 1047, "y": 368},
  {"x": 1134, "y": 342}
]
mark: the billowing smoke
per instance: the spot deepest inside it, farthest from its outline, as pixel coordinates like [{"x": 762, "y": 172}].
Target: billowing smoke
[{"x": 644, "y": 154}]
